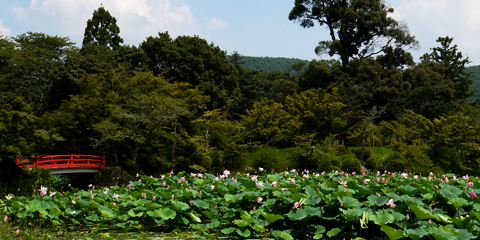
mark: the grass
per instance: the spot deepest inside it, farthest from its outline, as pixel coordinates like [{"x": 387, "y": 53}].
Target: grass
[{"x": 381, "y": 153}]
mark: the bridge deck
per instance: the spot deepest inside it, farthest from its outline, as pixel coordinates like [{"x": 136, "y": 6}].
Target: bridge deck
[{"x": 63, "y": 164}]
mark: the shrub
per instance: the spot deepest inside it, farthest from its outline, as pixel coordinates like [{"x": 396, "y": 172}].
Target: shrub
[
  {"x": 371, "y": 163},
  {"x": 448, "y": 158},
  {"x": 396, "y": 165},
  {"x": 358, "y": 152},
  {"x": 112, "y": 176},
  {"x": 271, "y": 158},
  {"x": 335, "y": 160},
  {"x": 377, "y": 142},
  {"x": 417, "y": 160},
  {"x": 351, "y": 164},
  {"x": 341, "y": 149}
]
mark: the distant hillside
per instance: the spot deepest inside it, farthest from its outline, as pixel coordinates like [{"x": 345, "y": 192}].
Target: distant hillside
[
  {"x": 270, "y": 64},
  {"x": 475, "y": 82}
]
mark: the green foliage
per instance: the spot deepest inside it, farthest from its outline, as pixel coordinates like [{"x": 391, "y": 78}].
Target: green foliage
[
  {"x": 350, "y": 164},
  {"x": 102, "y": 30},
  {"x": 318, "y": 112},
  {"x": 269, "y": 123},
  {"x": 367, "y": 153},
  {"x": 455, "y": 64},
  {"x": 195, "y": 61},
  {"x": 111, "y": 176},
  {"x": 365, "y": 22},
  {"x": 285, "y": 205},
  {"x": 271, "y": 158},
  {"x": 269, "y": 64}
]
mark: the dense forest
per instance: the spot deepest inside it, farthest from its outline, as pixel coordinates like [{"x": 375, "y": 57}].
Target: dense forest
[
  {"x": 270, "y": 64},
  {"x": 282, "y": 65},
  {"x": 182, "y": 104}
]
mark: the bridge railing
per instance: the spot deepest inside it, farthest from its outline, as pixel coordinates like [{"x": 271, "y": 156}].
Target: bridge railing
[{"x": 62, "y": 161}]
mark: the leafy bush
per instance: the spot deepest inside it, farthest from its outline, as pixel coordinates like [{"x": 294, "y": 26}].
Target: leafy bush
[
  {"x": 271, "y": 158},
  {"x": 417, "y": 161},
  {"x": 351, "y": 164},
  {"x": 395, "y": 164},
  {"x": 447, "y": 158},
  {"x": 335, "y": 160},
  {"x": 371, "y": 163},
  {"x": 112, "y": 176},
  {"x": 341, "y": 149},
  {"x": 367, "y": 153},
  {"x": 377, "y": 142}
]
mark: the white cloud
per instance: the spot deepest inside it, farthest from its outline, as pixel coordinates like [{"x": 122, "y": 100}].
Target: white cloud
[
  {"x": 216, "y": 23},
  {"x": 430, "y": 19},
  {"x": 4, "y": 31},
  {"x": 137, "y": 19}
]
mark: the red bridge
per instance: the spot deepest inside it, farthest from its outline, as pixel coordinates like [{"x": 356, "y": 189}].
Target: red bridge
[{"x": 62, "y": 164}]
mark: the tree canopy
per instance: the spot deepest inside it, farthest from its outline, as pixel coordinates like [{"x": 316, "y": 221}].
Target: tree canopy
[
  {"x": 102, "y": 30},
  {"x": 357, "y": 28}
]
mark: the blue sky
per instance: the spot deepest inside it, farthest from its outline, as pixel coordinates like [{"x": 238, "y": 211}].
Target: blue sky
[{"x": 251, "y": 27}]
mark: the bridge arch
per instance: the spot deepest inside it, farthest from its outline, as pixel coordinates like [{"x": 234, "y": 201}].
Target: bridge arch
[{"x": 64, "y": 164}]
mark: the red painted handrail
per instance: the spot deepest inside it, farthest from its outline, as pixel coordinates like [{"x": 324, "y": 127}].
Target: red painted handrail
[{"x": 62, "y": 161}]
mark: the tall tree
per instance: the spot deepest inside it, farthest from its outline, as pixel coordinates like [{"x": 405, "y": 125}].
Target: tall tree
[
  {"x": 27, "y": 65},
  {"x": 194, "y": 60},
  {"x": 453, "y": 60},
  {"x": 358, "y": 28},
  {"x": 102, "y": 30}
]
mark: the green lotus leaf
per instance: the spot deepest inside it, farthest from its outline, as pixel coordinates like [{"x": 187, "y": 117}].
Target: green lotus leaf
[
  {"x": 297, "y": 215},
  {"x": 228, "y": 231},
  {"x": 440, "y": 233},
  {"x": 241, "y": 223},
  {"x": 333, "y": 232},
  {"x": 393, "y": 233},
  {"x": 421, "y": 212},
  {"x": 352, "y": 213},
  {"x": 382, "y": 218},
  {"x": 458, "y": 202},
  {"x": 272, "y": 217},
  {"x": 313, "y": 211},
  {"x": 106, "y": 212},
  {"x": 180, "y": 206},
  {"x": 349, "y": 202},
  {"x": 244, "y": 232},
  {"x": 377, "y": 200},
  {"x": 449, "y": 191},
  {"x": 417, "y": 233},
  {"x": 284, "y": 235},
  {"x": 167, "y": 213},
  {"x": 201, "y": 204}
]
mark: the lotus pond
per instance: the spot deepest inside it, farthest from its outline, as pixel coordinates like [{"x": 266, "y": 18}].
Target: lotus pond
[{"x": 285, "y": 205}]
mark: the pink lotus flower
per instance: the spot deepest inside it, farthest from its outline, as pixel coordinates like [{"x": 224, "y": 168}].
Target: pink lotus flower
[
  {"x": 5, "y": 219},
  {"x": 43, "y": 190},
  {"x": 296, "y": 205},
  {"x": 259, "y": 199},
  {"x": 470, "y": 184},
  {"x": 212, "y": 187},
  {"x": 473, "y": 195},
  {"x": 275, "y": 183},
  {"x": 391, "y": 203},
  {"x": 18, "y": 231}
]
